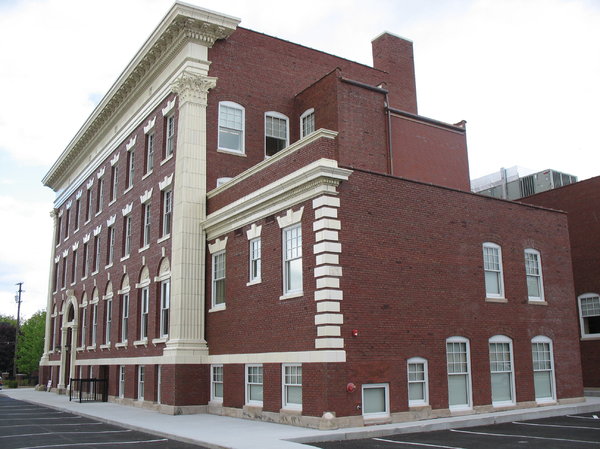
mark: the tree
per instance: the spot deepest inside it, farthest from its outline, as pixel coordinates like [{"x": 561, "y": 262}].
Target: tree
[
  {"x": 8, "y": 330},
  {"x": 31, "y": 343}
]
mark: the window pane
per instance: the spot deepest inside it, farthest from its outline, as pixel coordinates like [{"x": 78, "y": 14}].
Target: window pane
[
  {"x": 230, "y": 139},
  {"x": 457, "y": 390},
  {"x": 218, "y": 390},
  {"x": 294, "y": 395},
  {"x": 590, "y": 306},
  {"x": 374, "y": 400},
  {"x": 416, "y": 391},
  {"x": 255, "y": 392},
  {"x": 501, "y": 387},
  {"x": 492, "y": 284},
  {"x": 543, "y": 384},
  {"x": 533, "y": 286}
]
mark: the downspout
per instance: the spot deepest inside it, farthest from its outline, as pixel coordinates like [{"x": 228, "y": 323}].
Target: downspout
[{"x": 389, "y": 134}]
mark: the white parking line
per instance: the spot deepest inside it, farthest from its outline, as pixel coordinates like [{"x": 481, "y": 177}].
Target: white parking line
[
  {"x": 34, "y": 419},
  {"x": 41, "y": 411},
  {"x": 63, "y": 433},
  {"x": 523, "y": 436},
  {"x": 555, "y": 425},
  {"x": 96, "y": 444},
  {"x": 416, "y": 444},
  {"x": 57, "y": 424},
  {"x": 582, "y": 417}
]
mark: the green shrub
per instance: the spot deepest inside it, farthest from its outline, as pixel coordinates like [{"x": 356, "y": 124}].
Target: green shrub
[{"x": 11, "y": 384}]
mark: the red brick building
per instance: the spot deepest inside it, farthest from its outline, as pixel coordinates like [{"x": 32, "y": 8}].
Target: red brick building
[
  {"x": 580, "y": 201},
  {"x": 250, "y": 227}
]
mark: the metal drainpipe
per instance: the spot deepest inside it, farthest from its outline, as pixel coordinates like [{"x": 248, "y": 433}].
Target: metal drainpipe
[{"x": 389, "y": 130}]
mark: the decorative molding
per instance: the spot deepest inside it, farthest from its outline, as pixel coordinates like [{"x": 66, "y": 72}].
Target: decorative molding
[
  {"x": 100, "y": 173},
  {"x": 193, "y": 87},
  {"x": 150, "y": 125},
  {"x": 169, "y": 107},
  {"x": 86, "y": 238},
  {"x": 127, "y": 209},
  {"x": 68, "y": 205},
  {"x": 75, "y": 246},
  {"x": 254, "y": 231},
  {"x": 115, "y": 159},
  {"x": 218, "y": 245},
  {"x": 131, "y": 143},
  {"x": 111, "y": 221},
  {"x": 65, "y": 253},
  {"x": 60, "y": 213},
  {"x": 166, "y": 182},
  {"x": 90, "y": 184},
  {"x": 97, "y": 230},
  {"x": 56, "y": 258},
  {"x": 290, "y": 218},
  {"x": 78, "y": 194},
  {"x": 146, "y": 196}
]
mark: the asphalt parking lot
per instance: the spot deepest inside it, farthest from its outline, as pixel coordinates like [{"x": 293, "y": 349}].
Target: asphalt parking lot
[
  {"x": 568, "y": 432},
  {"x": 30, "y": 426}
]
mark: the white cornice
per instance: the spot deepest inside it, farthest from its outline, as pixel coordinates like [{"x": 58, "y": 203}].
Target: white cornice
[{"x": 310, "y": 181}]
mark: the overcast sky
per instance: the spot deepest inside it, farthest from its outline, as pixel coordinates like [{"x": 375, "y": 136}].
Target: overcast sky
[{"x": 524, "y": 74}]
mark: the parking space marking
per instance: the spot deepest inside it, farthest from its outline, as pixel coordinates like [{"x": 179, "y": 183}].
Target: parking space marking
[
  {"x": 57, "y": 424},
  {"x": 582, "y": 417},
  {"x": 93, "y": 443},
  {"x": 41, "y": 411},
  {"x": 62, "y": 433},
  {"x": 416, "y": 444},
  {"x": 523, "y": 436},
  {"x": 34, "y": 419},
  {"x": 554, "y": 425}
]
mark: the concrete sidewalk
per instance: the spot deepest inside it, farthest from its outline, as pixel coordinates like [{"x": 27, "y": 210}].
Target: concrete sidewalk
[{"x": 221, "y": 432}]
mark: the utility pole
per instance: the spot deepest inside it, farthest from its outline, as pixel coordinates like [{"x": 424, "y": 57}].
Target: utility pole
[{"x": 18, "y": 301}]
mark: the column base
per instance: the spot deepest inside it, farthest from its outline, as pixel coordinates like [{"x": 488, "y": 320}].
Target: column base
[{"x": 186, "y": 352}]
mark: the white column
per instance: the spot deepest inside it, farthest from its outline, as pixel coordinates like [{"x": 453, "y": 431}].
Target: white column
[
  {"x": 48, "y": 331},
  {"x": 189, "y": 211}
]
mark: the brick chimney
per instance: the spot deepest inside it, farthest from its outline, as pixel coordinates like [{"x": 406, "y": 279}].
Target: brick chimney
[{"x": 394, "y": 55}]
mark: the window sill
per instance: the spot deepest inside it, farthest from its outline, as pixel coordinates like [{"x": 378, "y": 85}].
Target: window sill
[
  {"x": 546, "y": 401},
  {"x": 94, "y": 273},
  {"x": 163, "y": 238},
  {"x": 113, "y": 201},
  {"x": 217, "y": 308},
  {"x": 255, "y": 282},
  {"x": 146, "y": 175},
  {"x": 418, "y": 405},
  {"x": 84, "y": 278},
  {"x": 98, "y": 213},
  {"x": 537, "y": 302},
  {"x": 80, "y": 349},
  {"x": 461, "y": 408},
  {"x": 291, "y": 296},
  {"x": 75, "y": 230},
  {"x": 123, "y": 344},
  {"x": 232, "y": 152},
  {"x": 156, "y": 341},
  {"x": 128, "y": 189},
  {"x": 106, "y": 346},
  {"x": 91, "y": 348},
  {"x": 72, "y": 283},
  {"x": 124, "y": 258},
  {"x": 106, "y": 267},
  {"x": 141, "y": 343},
  {"x": 63, "y": 289},
  {"x": 66, "y": 238},
  {"x": 497, "y": 300},
  {"x": 291, "y": 409},
  {"x": 590, "y": 337},
  {"x": 143, "y": 248},
  {"x": 503, "y": 404},
  {"x": 167, "y": 159},
  {"x": 86, "y": 221}
]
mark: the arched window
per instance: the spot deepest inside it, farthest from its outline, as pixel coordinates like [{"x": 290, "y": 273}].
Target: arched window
[
  {"x": 277, "y": 132},
  {"x": 543, "y": 369},
  {"x": 502, "y": 371},
  {"x": 459, "y": 373},
  {"x": 418, "y": 382},
  {"x": 307, "y": 122}
]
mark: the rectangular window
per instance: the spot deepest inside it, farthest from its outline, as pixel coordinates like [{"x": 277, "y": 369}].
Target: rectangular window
[
  {"x": 127, "y": 236},
  {"x": 231, "y": 126},
  {"x": 167, "y": 212},
  {"x": 375, "y": 399},
  {"x": 77, "y": 212},
  {"x": 492, "y": 265},
  {"x": 124, "y": 316},
  {"x": 255, "y": 259},
  {"x": 254, "y": 384},
  {"x": 292, "y": 260},
  {"x": 149, "y": 152},
  {"x": 130, "y": 168},
  {"x": 58, "y": 231},
  {"x": 88, "y": 211},
  {"x": 96, "y": 265},
  {"x": 84, "y": 271},
  {"x": 100, "y": 198},
  {"x": 144, "y": 313},
  {"x": 216, "y": 383},
  {"x": 121, "y": 381},
  {"x": 589, "y": 315},
  {"x": 533, "y": 268},
  {"x": 165, "y": 304},
  {"x": 94, "y": 323},
  {"x": 67, "y": 222},
  {"x": 292, "y": 386},
  {"x": 110, "y": 253},
  {"x": 218, "y": 278},
  {"x": 140, "y": 383},
  {"x": 276, "y": 133},
  {"x": 74, "y": 267},
  {"x": 114, "y": 182},
  {"x": 459, "y": 378},
  {"x": 170, "y": 136},
  {"x": 55, "y": 280},
  {"x": 83, "y": 326},
  {"x": 417, "y": 381},
  {"x": 64, "y": 273},
  {"x": 146, "y": 225},
  {"x": 501, "y": 369},
  {"x": 108, "y": 321},
  {"x": 543, "y": 372}
]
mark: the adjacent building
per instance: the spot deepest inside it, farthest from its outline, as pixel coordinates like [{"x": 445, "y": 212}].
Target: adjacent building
[{"x": 250, "y": 227}]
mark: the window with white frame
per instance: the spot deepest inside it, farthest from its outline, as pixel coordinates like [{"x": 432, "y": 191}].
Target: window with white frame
[
  {"x": 165, "y": 304},
  {"x": 418, "y": 390},
  {"x": 307, "y": 122},
  {"x": 492, "y": 265},
  {"x": 170, "y": 135},
  {"x": 100, "y": 197},
  {"x": 121, "y": 381},
  {"x": 292, "y": 259},
  {"x": 94, "y": 323},
  {"x": 149, "y": 153},
  {"x": 543, "y": 369},
  {"x": 501, "y": 369},
  {"x": 254, "y": 384},
  {"x": 84, "y": 271},
  {"x": 218, "y": 278},
  {"x": 88, "y": 210},
  {"x": 130, "y": 168},
  {"x": 231, "y": 127},
  {"x": 96, "y": 265},
  {"x": 84, "y": 326},
  {"x": 167, "y": 212},
  {"x": 124, "y": 316},
  {"x": 589, "y": 315},
  {"x": 58, "y": 231},
  {"x": 459, "y": 373},
  {"x": 216, "y": 380},
  {"x": 108, "y": 321},
  {"x": 292, "y": 386},
  {"x": 110, "y": 253},
  {"x": 127, "y": 235},
  {"x": 375, "y": 400},
  {"x": 146, "y": 225},
  {"x": 255, "y": 259},
  {"x": 74, "y": 267},
  {"x": 67, "y": 222},
  {"x": 77, "y": 212},
  {"x": 55, "y": 278},
  {"x": 114, "y": 182},
  {"x": 64, "y": 273},
  {"x": 533, "y": 268},
  {"x": 276, "y": 133},
  {"x": 141, "y": 374},
  {"x": 144, "y": 304}
]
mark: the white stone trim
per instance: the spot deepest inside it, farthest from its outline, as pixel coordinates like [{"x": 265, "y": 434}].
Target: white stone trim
[
  {"x": 326, "y": 235},
  {"x": 169, "y": 107},
  {"x": 328, "y": 306},
  {"x": 327, "y": 270},
  {"x": 166, "y": 182},
  {"x": 131, "y": 143},
  {"x": 101, "y": 172},
  {"x": 86, "y": 238},
  {"x": 329, "y": 331},
  {"x": 328, "y": 282},
  {"x": 90, "y": 184},
  {"x": 146, "y": 196},
  {"x": 329, "y": 318},
  {"x": 150, "y": 125},
  {"x": 65, "y": 253},
  {"x": 328, "y": 294},
  {"x": 326, "y": 200},
  {"x": 218, "y": 245},
  {"x": 56, "y": 258},
  {"x": 97, "y": 230},
  {"x": 254, "y": 231},
  {"x": 326, "y": 212},
  {"x": 78, "y": 194},
  {"x": 327, "y": 247},
  {"x": 328, "y": 259},
  {"x": 68, "y": 205},
  {"x": 290, "y": 218},
  {"x": 321, "y": 343},
  {"x": 327, "y": 223},
  {"x": 127, "y": 209},
  {"x": 61, "y": 213},
  {"x": 75, "y": 246},
  {"x": 115, "y": 159},
  {"x": 111, "y": 220}
]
